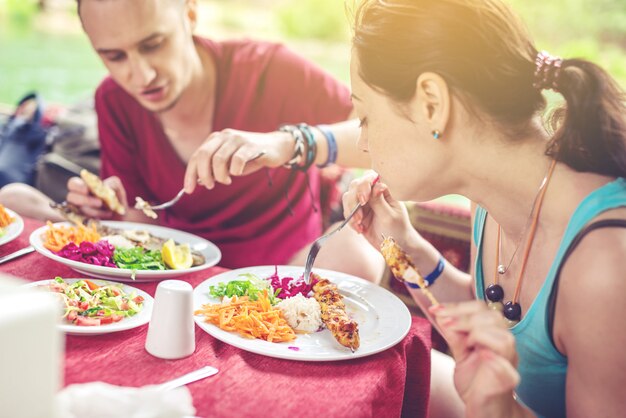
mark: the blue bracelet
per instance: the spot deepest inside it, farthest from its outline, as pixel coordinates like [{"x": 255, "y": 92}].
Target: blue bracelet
[
  {"x": 332, "y": 145},
  {"x": 434, "y": 275}
]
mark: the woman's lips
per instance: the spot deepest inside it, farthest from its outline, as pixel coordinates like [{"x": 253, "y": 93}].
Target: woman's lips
[{"x": 154, "y": 95}]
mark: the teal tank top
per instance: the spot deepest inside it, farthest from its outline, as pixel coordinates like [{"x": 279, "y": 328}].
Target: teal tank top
[{"x": 542, "y": 368}]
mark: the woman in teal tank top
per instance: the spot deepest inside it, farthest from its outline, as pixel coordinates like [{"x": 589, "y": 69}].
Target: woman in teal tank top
[{"x": 450, "y": 97}]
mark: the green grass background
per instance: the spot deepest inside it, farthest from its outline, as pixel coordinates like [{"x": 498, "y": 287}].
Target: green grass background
[{"x": 47, "y": 51}]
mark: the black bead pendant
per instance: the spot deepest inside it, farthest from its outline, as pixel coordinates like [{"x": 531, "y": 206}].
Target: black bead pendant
[
  {"x": 512, "y": 311},
  {"x": 494, "y": 293}
]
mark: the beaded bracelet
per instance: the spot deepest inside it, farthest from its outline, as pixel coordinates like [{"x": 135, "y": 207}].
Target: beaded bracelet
[
  {"x": 434, "y": 275},
  {"x": 311, "y": 151},
  {"x": 332, "y": 145},
  {"x": 298, "y": 148}
]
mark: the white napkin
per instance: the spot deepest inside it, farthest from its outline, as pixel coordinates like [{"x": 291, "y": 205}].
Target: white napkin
[{"x": 102, "y": 400}]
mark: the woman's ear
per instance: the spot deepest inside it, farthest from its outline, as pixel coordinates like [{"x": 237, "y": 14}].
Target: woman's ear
[
  {"x": 191, "y": 12},
  {"x": 432, "y": 102}
]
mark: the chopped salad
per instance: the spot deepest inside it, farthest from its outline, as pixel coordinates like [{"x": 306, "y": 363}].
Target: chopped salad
[
  {"x": 252, "y": 286},
  {"x": 89, "y": 304},
  {"x": 271, "y": 308}
]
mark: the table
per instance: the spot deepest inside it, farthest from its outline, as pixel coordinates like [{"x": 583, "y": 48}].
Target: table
[{"x": 393, "y": 383}]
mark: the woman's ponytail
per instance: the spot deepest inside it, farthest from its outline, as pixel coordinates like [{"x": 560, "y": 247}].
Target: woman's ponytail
[{"x": 590, "y": 131}]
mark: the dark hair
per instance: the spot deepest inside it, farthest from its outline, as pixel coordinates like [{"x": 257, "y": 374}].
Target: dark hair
[
  {"x": 78, "y": 7},
  {"x": 483, "y": 51}
]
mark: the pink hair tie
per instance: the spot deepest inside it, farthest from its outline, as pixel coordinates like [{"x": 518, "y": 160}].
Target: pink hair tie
[{"x": 547, "y": 71}]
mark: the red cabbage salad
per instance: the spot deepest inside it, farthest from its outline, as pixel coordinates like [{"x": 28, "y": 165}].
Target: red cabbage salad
[
  {"x": 102, "y": 253},
  {"x": 250, "y": 285},
  {"x": 125, "y": 249},
  {"x": 289, "y": 286},
  {"x": 99, "y": 253}
]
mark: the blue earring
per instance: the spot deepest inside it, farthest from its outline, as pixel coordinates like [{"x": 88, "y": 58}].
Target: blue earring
[{"x": 436, "y": 134}]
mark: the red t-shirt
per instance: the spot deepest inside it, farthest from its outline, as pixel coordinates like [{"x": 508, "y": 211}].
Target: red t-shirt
[{"x": 259, "y": 87}]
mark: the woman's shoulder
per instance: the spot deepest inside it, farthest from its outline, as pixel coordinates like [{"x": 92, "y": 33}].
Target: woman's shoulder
[{"x": 594, "y": 272}]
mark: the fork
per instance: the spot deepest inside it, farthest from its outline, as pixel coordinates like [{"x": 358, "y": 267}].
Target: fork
[
  {"x": 180, "y": 194},
  {"x": 317, "y": 244}
]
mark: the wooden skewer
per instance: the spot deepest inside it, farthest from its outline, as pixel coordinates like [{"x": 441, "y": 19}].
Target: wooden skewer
[{"x": 403, "y": 268}]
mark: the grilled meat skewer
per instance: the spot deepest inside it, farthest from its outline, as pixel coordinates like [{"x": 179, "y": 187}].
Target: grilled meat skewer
[{"x": 344, "y": 329}]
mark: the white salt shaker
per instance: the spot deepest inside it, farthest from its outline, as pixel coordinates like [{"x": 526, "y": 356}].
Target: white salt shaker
[{"x": 171, "y": 332}]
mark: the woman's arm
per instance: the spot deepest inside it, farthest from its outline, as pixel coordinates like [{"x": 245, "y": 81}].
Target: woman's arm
[
  {"x": 346, "y": 135},
  {"x": 382, "y": 215},
  {"x": 589, "y": 325}
]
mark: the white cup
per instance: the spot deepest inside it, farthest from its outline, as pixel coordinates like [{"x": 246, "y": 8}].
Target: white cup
[{"x": 171, "y": 333}]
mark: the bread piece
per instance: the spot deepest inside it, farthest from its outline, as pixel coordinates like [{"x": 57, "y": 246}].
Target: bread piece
[{"x": 102, "y": 191}]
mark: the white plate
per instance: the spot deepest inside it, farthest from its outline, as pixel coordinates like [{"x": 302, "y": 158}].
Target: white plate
[
  {"x": 209, "y": 250},
  {"x": 14, "y": 229},
  {"x": 383, "y": 319},
  {"x": 137, "y": 320}
]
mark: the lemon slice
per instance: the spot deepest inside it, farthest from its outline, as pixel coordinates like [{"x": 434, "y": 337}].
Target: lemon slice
[{"x": 176, "y": 256}]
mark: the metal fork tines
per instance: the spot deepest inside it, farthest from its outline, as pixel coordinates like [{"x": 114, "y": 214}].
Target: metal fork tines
[
  {"x": 317, "y": 244},
  {"x": 170, "y": 202},
  {"x": 143, "y": 205}
]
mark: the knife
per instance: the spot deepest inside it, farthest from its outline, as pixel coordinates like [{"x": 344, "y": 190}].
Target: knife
[
  {"x": 16, "y": 254},
  {"x": 188, "y": 378}
]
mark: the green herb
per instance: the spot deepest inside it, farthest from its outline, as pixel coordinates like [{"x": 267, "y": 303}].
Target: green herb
[
  {"x": 138, "y": 258},
  {"x": 251, "y": 287}
]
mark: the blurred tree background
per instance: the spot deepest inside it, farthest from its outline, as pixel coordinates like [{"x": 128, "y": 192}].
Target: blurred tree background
[{"x": 43, "y": 48}]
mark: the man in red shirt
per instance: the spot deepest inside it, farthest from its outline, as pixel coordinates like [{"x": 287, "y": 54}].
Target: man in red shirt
[{"x": 177, "y": 108}]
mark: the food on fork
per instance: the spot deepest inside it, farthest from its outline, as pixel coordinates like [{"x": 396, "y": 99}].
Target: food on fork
[
  {"x": 145, "y": 207},
  {"x": 403, "y": 268},
  {"x": 102, "y": 191},
  {"x": 344, "y": 329}
]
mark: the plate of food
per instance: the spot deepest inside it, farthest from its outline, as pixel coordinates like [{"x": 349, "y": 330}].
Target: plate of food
[
  {"x": 269, "y": 310},
  {"x": 11, "y": 225},
  {"x": 93, "y": 307},
  {"x": 125, "y": 251}
]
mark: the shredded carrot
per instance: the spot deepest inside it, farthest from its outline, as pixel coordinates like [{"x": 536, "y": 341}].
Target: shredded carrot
[
  {"x": 251, "y": 319},
  {"x": 57, "y": 237},
  {"x": 5, "y": 218}
]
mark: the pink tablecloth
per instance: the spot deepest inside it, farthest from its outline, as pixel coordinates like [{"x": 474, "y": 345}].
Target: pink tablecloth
[{"x": 389, "y": 384}]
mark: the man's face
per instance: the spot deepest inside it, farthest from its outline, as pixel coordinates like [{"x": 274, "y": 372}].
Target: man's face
[{"x": 146, "y": 45}]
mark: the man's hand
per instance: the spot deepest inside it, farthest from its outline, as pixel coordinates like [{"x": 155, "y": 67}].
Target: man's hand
[
  {"x": 91, "y": 206},
  {"x": 236, "y": 153}
]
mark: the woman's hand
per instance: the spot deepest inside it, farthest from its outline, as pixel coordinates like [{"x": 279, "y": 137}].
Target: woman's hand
[
  {"x": 236, "y": 153},
  {"x": 486, "y": 359},
  {"x": 380, "y": 214},
  {"x": 90, "y": 205}
]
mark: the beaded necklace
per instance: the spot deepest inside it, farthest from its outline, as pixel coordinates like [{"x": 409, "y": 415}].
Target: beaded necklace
[{"x": 494, "y": 293}]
